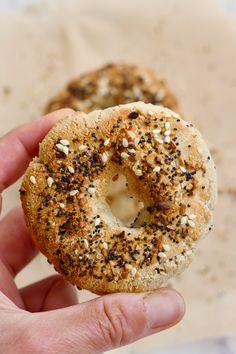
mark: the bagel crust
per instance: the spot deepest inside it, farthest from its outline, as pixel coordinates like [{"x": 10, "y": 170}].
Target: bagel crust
[
  {"x": 64, "y": 192},
  {"x": 111, "y": 85}
]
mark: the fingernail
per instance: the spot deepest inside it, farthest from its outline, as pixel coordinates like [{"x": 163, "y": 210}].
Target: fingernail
[{"x": 163, "y": 308}]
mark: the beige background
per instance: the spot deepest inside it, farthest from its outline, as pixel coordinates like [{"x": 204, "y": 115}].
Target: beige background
[{"x": 190, "y": 43}]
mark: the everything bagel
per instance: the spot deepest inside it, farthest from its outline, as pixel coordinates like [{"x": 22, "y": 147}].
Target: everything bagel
[
  {"x": 111, "y": 85},
  {"x": 65, "y": 195}
]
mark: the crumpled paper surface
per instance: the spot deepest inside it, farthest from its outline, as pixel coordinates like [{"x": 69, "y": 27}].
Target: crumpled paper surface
[{"x": 190, "y": 43}]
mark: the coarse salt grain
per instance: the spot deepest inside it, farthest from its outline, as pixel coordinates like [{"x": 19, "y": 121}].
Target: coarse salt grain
[
  {"x": 91, "y": 190},
  {"x": 82, "y": 147},
  {"x": 50, "y": 181},
  {"x": 166, "y": 248},
  {"x": 157, "y": 169},
  {"x": 124, "y": 155},
  {"x": 106, "y": 142},
  {"x": 71, "y": 169},
  {"x": 167, "y": 140},
  {"x": 167, "y": 125},
  {"x": 183, "y": 220},
  {"x": 104, "y": 157},
  {"x": 64, "y": 142},
  {"x": 132, "y": 151},
  {"x": 191, "y": 223},
  {"x": 125, "y": 142},
  {"x": 183, "y": 169},
  {"x": 167, "y": 132},
  {"x": 156, "y": 131},
  {"x": 138, "y": 172},
  {"x": 33, "y": 179},
  {"x": 97, "y": 221},
  {"x": 161, "y": 255},
  {"x": 73, "y": 192}
]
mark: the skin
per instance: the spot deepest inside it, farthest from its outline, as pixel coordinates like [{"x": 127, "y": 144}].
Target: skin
[{"x": 45, "y": 317}]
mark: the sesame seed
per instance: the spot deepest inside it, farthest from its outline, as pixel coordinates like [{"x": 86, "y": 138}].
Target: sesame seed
[
  {"x": 62, "y": 205},
  {"x": 86, "y": 243},
  {"x": 64, "y": 142},
  {"x": 167, "y": 132},
  {"x": 161, "y": 255},
  {"x": 133, "y": 271},
  {"x": 125, "y": 142},
  {"x": 156, "y": 131},
  {"x": 132, "y": 151},
  {"x": 136, "y": 141},
  {"x": 191, "y": 223},
  {"x": 157, "y": 169},
  {"x": 82, "y": 147},
  {"x": 104, "y": 245},
  {"x": 65, "y": 150},
  {"x": 106, "y": 142},
  {"x": 138, "y": 172},
  {"x": 60, "y": 147},
  {"x": 192, "y": 216},
  {"x": 150, "y": 113},
  {"x": 160, "y": 141},
  {"x": 131, "y": 134},
  {"x": 50, "y": 181},
  {"x": 97, "y": 221},
  {"x": 91, "y": 190},
  {"x": 104, "y": 157},
  {"x": 182, "y": 169},
  {"x": 167, "y": 140},
  {"x": 71, "y": 169},
  {"x": 166, "y": 248},
  {"x": 167, "y": 125},
  {"x": 183, "y": 220},
  {"x": 124, "y": 155},
  {"x": 73, "y": 192},
  {"x": 32, "y": 179}
]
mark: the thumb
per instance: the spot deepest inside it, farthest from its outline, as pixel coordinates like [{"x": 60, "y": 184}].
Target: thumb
[{"x": 109, "y": 321}]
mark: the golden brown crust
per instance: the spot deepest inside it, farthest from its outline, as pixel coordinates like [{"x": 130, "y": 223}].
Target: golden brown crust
[
  {"x": 167, "y": 166},
  {"x": 111, "y": 85}
]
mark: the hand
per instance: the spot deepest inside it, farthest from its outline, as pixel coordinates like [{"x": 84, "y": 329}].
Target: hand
[{"x": 45, "y": 317}]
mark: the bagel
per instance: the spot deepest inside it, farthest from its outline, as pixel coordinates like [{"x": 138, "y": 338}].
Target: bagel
[
  {"x": 65, "y": 197},
  {"x": 112, "y": 85}
]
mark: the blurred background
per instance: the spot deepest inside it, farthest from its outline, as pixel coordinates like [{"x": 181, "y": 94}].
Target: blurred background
[{"x": 191, "y": 44}]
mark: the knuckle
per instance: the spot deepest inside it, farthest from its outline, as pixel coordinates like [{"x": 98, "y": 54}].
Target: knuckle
[{"x": 113, "y": 324}]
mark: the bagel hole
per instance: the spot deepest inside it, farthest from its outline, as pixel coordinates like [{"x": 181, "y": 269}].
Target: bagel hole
[{"x": 124, "y": 206}]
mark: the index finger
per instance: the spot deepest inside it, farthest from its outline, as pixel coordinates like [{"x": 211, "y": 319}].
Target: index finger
[{"x": 21, "y": 144}]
